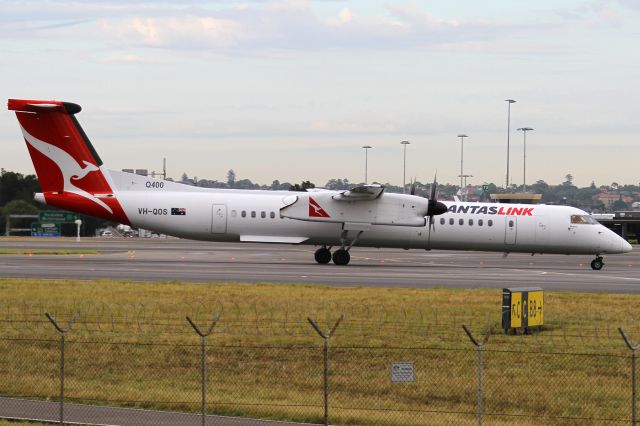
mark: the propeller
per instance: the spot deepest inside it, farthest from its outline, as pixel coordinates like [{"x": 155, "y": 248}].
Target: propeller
[
  {"x": 434, "y": 207},
  {"x": 412, "y": 189}
]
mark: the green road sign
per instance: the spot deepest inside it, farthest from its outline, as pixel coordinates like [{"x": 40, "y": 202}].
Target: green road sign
[
  {"x": 54, "y": 216},
  {"x": 485, "y": 187},
  {"x": 45, "y": 229}
]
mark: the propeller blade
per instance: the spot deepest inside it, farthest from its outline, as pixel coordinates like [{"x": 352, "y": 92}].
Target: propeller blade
[
  {"x": 433, "y": 187},
  {"x": 434, "y": 207},
  {"x": 413, "y": 187}
]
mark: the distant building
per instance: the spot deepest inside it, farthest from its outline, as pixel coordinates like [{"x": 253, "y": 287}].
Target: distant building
[{"x": 608, "y": 198}]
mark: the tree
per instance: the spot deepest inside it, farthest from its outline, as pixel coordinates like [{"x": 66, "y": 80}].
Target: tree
[
  {"x": 19, "y": 207},
  {"x": 619, "y": 205},
  {"x": 15, "y": 186},
  {"x": 301, "y": 187},
  {"x": 245, "y": 184},
  {"x": 568, "y": 179},
  {"x": 338, "y": 184},
  {"x": 231, "y": 178}
]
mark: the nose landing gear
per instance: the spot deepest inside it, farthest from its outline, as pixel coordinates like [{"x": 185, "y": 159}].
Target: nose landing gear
[{"x": 597, "y": 263}]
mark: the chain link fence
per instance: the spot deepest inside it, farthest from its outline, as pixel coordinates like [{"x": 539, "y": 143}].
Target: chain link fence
[{"x": 308, "y": 371}]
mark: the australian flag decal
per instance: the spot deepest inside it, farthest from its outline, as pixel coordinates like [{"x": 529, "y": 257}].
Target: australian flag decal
[{"x": 175, "y": 211}]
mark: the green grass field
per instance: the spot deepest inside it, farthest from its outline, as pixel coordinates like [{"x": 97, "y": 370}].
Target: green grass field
[{"x": 131, "y": 345}]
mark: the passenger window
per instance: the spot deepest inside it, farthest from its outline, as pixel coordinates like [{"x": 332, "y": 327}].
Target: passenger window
[
  {"x": 263, "y": 214},
  {"x": 253, "y": 213},
  {"x": 480, "y": 222},
  {"x": 272, "y": 215},
  {"x": 244, "y": 213},
  {"x": 510, "y": 224},
  {"x": 461, "y": 221},
  {"x": 442, "y": 221},
  {"x": 451, "y": 221},
  {"x": 234, "y": 213},
  {"x": 470, "y": 222},
  {"x": 490, "y": 222}
]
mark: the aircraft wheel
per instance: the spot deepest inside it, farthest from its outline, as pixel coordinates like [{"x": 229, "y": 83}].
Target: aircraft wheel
[
  {"x": 341, "y": 257},
  {"x": 323, "y": 255},
  {"x": 597, "y": 264}
]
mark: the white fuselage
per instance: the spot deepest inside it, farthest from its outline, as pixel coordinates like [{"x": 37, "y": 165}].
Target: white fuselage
[{"x": 255, "y": 216}]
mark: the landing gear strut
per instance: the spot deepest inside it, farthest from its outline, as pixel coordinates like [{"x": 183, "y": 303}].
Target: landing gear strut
[
  {"x": 323, "y": 255},
  {"x": 597, "y": 263}
]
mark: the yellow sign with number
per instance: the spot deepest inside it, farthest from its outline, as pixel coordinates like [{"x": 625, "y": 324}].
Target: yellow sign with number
[
  {"x": 536, "y": 305},
  {"x": 516, "y": 309}
]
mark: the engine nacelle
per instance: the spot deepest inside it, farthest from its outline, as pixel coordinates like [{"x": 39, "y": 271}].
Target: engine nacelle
[{"x": 387, "y": 209}]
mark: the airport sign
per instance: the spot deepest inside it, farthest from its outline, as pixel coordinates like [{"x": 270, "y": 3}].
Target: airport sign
[
  {"x": 55, "y": 216},
  {"x": 45, "y": 229}
]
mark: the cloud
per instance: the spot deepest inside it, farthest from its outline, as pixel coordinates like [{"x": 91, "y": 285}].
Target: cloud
[
  {"x": 180, "y": 32},
  {"x": 631, "y": 4},
  {"x": 274, "y": 26},
  {"x": 594, "y": 14}
]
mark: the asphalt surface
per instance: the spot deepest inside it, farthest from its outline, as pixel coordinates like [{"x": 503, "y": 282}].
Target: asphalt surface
[
  {"x": 47, "y": 411},
  {"x": 192, "y": 261}
]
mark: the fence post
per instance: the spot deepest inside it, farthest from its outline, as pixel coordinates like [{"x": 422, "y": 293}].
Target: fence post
[
  {"x": 634, "y": 362},
  {"x": 203, "y": 366},
  {"x": 62, "y": 332},
  {"x": 325, "y": 338},
  {"x": 480, "y": 348}
]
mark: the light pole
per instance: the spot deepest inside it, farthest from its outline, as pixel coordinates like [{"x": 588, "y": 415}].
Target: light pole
[
  {"x": 366, "y": 161},
  {"x": 404, "y": 172},
  {"x": 462, "y": 136},
  {"x": 509, "y": 101},
  {"x": 524, "y": 130}
]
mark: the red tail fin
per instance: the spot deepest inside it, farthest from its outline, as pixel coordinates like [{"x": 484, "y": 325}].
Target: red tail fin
[{"x": 67, "y": 165}]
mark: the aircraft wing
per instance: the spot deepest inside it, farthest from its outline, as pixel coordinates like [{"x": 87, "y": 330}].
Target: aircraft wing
[{"x": 360, "y": 193}]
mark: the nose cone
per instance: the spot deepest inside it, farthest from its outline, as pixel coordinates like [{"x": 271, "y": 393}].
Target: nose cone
[{"x": 619, "y": 244}]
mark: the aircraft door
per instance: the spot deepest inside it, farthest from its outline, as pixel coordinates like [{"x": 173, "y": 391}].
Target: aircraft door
[
  {"x": 542, "y": 233},
  {"x": 510, "y": 229},
  {"x": 219, "y": 219}
]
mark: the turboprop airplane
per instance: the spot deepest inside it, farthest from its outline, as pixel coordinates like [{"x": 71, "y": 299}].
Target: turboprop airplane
[{"x": 73, "y": 177}]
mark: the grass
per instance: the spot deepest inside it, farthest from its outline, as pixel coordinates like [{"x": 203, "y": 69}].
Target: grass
[
  {"x": 38, "y": 252},
  {"x": 132, "y": 346}
]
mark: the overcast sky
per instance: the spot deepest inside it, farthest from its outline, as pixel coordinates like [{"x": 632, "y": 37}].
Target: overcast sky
[{"x": 293, "y": 89}]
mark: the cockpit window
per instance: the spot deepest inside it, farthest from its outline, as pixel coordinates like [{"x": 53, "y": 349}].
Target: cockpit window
[{"x": 579, "y": 219}]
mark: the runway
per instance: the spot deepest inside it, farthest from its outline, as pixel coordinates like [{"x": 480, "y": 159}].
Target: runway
[{"x": 192, "y": 261}]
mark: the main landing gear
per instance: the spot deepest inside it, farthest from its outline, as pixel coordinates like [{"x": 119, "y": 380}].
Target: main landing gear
[
  {"x": 323, "y": 255},
  {"x": 340, "y": 257},
  {"x": 597, "y": 263}
]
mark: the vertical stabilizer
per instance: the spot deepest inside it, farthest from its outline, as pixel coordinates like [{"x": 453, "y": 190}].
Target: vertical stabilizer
[{"x": 68, "y": 167}]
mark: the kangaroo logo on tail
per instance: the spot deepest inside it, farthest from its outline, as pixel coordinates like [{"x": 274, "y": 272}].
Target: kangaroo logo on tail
[{"x": 69, "y": 167}]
